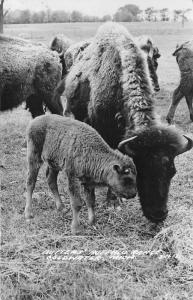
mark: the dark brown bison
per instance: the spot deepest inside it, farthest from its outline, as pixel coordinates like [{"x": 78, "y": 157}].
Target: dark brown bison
[
  {"x": 109, "y": 88},
  {"x": 184, "y": 58},
  {"x": 28, "y": 73},
  {"x": 152, "y": 52}
]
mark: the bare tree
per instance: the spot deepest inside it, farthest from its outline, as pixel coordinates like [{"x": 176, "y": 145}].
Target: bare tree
[
  {"x": 1, "y": 16},
  {"x": 3, "y": 13}
]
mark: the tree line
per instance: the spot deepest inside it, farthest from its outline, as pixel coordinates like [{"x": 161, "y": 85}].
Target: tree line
[{"x": 127, "y": 13}]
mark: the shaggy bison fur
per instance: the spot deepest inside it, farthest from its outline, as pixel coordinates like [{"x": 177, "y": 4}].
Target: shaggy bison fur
[{"x": 28, "y": 73}]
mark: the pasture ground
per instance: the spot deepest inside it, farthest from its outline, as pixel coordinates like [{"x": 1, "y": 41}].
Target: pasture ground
[{"x": 160, "y": 258}]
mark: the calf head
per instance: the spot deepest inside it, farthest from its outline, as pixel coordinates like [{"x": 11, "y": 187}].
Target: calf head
[
  {"x": 153, "y": 152},
  {"x": 121, "y": 178}
]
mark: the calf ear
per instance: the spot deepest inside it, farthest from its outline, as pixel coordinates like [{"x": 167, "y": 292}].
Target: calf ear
[
  {"x": 126, "y": 146},
  {"x": 117, "y": 168}
]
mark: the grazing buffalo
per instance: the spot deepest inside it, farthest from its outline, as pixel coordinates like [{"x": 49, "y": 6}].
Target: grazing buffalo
[
  {"x": 109, "y": 88},
  {"x": 28, "y": 73},
  {"x": 184, "y": 58}
]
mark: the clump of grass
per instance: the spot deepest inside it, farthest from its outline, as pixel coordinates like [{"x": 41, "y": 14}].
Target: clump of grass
[{"x": 177, "y": 239}]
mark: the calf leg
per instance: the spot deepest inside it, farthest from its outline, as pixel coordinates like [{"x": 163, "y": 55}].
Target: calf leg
[
  {"x": 34, "y": 164},
  {"x": 76, "y": 202},
  {"x": 52, "y": 175},
  {"x": 112, "y": 199},
  {"x": 177, "y": 96},
  {"x": 189, "y": 100},
  {"x": 90, "y": 202}
]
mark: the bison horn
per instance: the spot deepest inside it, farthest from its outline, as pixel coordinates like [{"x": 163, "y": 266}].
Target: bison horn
[
  {"x": 185, "y": 146},
  {"x": 121, "y": 144},
  {"x": 61, "y": 54}
]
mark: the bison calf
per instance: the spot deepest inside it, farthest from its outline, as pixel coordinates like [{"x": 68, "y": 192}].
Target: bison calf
[{"x": 68, "y": 144}]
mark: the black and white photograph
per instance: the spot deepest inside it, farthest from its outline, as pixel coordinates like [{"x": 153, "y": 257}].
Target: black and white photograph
[{"x": 96, "y": 149}]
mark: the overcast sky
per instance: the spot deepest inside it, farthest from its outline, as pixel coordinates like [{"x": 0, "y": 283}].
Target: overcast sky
[{"x": 95, "y": 7}]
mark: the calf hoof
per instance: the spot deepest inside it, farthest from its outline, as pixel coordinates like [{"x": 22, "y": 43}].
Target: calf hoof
[
  {"x": 92, "y": 221},
  {"x": 191, "y": 118},
  {"x": 59, "y": 206},
  {"x": 75, "y": 230},
  {"x": 28, "y": 216}
]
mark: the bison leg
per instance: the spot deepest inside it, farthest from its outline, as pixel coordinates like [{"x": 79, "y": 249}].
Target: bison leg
[
  {"x": 177, "y": 96},
  {"x": 34, "y": 164},
  {"x": 189, "y": 99},
  {"x": 89, "y": 193},
  {"x": 52, "y": 175},
  {"x": 76, "y": 202}
]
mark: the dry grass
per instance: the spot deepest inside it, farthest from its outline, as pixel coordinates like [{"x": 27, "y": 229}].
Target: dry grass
[{"x": 160, "y": 265}]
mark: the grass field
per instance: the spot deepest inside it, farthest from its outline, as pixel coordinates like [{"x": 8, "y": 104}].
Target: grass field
[{"x": 159, "y": 262}]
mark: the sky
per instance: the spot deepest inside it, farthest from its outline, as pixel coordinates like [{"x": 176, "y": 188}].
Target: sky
[{"x": 95, "y": 7}]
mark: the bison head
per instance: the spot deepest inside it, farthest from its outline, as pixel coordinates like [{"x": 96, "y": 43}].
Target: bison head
[{"x": 153, "y": 151}]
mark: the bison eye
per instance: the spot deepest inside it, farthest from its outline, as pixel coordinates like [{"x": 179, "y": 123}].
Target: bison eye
[{"x": 165, "y": 160}]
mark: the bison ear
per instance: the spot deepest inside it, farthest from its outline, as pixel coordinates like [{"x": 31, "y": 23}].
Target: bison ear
[{"x": 127, "y": 146}]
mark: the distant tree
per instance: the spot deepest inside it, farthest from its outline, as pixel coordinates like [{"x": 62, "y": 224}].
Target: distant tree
[
  {"x": 106, "y": 18},
  {"x": 149, "y": 12},
  {"x": 181, "y": 14},
  {"x": 127, "y": 13},
  {"x": 164, "y": 14},
  {"x": 3, "y": 14},
  {"x": 76, "y": 16},
  {"x": 25, "y": 17},
  {"x": 177, "y": 13}
]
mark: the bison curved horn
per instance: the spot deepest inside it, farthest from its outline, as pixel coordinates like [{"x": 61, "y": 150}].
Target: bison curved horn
[
  {"x": 185, "y": 146},
  {"x": 121, "y": 144},
  {"x": 61, "y": 54}
]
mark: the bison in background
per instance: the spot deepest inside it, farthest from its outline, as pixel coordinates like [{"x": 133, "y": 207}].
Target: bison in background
[
  {"x": 184, "y": 58},
  {"x": 109, "y": 88},
  {"x": 28, "y": 73},
  {"x": 60, "y": 43},
  {"x": 146, "y": 44}
]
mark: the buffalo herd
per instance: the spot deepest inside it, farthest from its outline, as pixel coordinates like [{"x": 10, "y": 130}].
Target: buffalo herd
[{"x": 106, "y": 82}]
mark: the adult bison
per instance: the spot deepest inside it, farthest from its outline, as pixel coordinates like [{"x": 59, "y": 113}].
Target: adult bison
[
  {"x": 184, "y": 58},
  {"x": 75, "y": 51},
  {"x": 146, "y": 44},
  {"x": 60, "y": 43},
  {"x": 28, "y": 73},
  {"x": 109, "y": 88}
]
